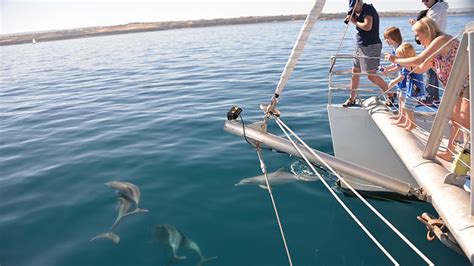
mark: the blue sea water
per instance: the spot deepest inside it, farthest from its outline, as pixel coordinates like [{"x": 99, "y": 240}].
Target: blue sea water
[{"x": 149, "y": 108}]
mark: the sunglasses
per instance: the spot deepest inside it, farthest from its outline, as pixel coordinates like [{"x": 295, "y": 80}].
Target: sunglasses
[{"x": 417, "y": 39}]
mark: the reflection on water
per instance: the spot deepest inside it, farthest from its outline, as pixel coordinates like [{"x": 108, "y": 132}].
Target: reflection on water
[{"x": 148, "y": 109}]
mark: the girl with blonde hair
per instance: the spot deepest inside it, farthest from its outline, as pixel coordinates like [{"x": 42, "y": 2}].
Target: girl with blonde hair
[
  {"x": 432, "y": 38},
  {"x": 411, "y": 93}
]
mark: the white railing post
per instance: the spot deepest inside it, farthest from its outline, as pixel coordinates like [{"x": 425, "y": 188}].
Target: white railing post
[{"x": 471, "y": 88}]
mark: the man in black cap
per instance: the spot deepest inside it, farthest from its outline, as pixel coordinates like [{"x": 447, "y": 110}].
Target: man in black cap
[{"x": 366, "y": 19}]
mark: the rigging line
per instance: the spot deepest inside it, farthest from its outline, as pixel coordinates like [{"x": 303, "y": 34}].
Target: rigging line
[
  {"x": 269, "y": 189},
  {"x": 345, "y": 30},
  {"x": 420, "y": 128},
  {"x": 437, "y": 51},
  {"x": 243, "y": 129},
  {"x": 427, "y": 84},
  {"x": 434, "y": 54},
  {"x": 249, "y": 141},
  {"x": 376, "y": 242},
  {"x": 456, "y": 145},
  {"x": 420, "y": 102},
  {"x": 414, "y": 248}
]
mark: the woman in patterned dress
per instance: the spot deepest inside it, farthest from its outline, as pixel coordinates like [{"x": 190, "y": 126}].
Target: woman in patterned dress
[{"x": 432, "y": 38}]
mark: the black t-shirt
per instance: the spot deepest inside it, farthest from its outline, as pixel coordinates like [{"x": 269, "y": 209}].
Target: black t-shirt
[{"x": 366, "y": 38}]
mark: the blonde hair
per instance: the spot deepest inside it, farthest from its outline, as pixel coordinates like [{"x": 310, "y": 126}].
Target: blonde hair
[
  {"x": 428, "y": 27},
  {"x": 405, "y": 50},
  {"x": 394, "y": 34}
]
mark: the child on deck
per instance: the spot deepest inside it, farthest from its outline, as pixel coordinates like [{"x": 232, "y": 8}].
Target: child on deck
[
  {"x": 393, "y": 37},
  {"x": 415, "y": 91}
]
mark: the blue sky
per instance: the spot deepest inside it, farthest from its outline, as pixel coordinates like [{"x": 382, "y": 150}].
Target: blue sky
[{"x": 39, "y": 15}]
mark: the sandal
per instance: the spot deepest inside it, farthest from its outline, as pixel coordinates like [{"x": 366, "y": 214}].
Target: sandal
[
  {"x": 349, "y": 102},
  {"x": 390, "y": 102}
]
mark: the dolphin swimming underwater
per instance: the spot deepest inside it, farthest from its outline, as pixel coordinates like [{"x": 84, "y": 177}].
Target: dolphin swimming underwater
[
  {"x": 167, "y": 234},
  {"x": 127, "y": 204},
  {"x": 278, "y": 177},
  {"x": 126, "y": 190},
  {"x": 124, "y": 207}
]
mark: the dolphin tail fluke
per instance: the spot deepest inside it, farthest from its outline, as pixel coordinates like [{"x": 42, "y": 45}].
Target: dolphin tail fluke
[
  {"x": 141, "y": 210},
  {"x": 109, "y": 235},
  {"x": 204, "y": 260},
  {"x": 138, "y": 210}
]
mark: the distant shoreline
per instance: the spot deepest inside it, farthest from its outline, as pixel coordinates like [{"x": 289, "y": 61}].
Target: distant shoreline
[{"x": 22, "y": 38}]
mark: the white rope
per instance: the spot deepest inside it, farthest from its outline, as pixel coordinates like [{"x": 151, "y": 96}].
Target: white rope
[
  {"x": 278, "y": 121},
  {"x": 413, "y": 247},
  {"x": 426, "y": 84},
  {"x": 264, "y": 171},
  {"x": 299, "y": 45},
  {"x": 347, "y": 27}
]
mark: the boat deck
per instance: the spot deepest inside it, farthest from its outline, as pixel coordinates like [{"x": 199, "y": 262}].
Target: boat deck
[{"x": 451, "y": 202}]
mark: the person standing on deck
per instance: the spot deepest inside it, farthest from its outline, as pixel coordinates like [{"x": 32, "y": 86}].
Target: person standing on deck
[
  {"x": 366, "y": 19},
  {"x": 438, "y": 12},
  {"x": 433, "y": 39}
]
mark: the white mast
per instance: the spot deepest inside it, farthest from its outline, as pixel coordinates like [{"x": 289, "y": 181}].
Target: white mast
[
  {"x": 299, "y": 45},
  {"x": 294, "y": 56}
]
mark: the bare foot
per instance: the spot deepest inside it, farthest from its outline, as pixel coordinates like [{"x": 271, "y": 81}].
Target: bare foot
[
  {"x": 445, "y": 155},
  {"x": 410, "y": 127},
  {"x": 402, "y": 125},
  {"x": 395, "y": 117},
  {"x": 400, "y": 121}
]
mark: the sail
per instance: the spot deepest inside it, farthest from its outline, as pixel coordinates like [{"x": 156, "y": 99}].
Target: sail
[{"x": 300, "y": 43}]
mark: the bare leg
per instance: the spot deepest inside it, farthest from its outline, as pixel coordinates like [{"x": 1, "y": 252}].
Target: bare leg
[
  {"x": 400, "y": 116},
  {"x": 407, "y": 119},
  {"x": 378, "y": 81},
  {"x": 403, "y": 118},
  {"x": 461, "y": 112},
  {"x": 460, "y": 116},
  {"x": 354, "y": 82},
  {"x": 448, "y": 154},
  {"x": 410, "y": 123},
  {"x": 400, "y": 104}
]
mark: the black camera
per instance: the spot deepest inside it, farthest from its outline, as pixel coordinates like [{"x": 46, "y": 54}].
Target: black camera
[{"x": 348, "y": 18}]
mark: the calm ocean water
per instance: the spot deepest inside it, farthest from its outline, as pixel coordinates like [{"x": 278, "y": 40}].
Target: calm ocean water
[{"x": 149, "y": 108}]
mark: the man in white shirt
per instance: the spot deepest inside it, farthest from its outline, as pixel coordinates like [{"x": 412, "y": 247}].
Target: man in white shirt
[{"x": 437, "y": 11}]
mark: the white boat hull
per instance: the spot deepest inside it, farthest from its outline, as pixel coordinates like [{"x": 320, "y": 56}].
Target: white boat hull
[{"x": 356, "y": 138}]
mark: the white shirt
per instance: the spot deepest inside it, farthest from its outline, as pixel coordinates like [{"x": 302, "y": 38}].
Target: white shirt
[{"x": 439, "y": 13}]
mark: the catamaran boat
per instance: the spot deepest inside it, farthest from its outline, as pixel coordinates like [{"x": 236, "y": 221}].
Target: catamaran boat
[{"x": 377, "y": 156}]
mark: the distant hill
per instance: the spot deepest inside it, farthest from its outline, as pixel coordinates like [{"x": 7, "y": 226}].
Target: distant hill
[{"x": 21, "y": 38}]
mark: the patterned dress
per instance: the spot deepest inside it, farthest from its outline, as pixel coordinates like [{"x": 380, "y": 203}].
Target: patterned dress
[{"x": 443, "y": 63}]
